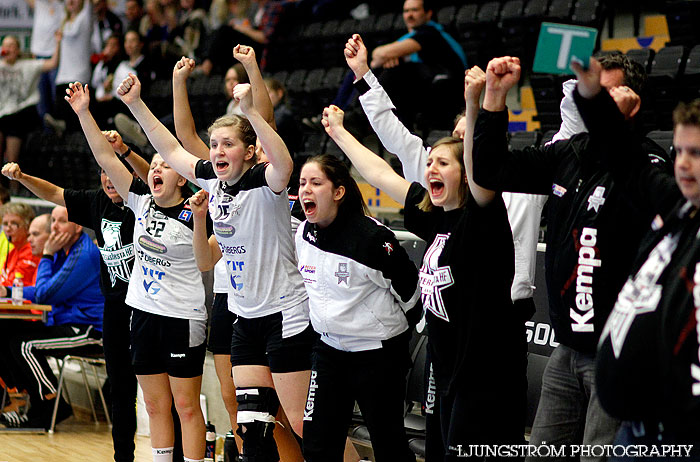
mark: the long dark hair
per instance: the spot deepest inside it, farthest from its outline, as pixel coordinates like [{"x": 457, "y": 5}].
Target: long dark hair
[{"x": 339, "y": 174}]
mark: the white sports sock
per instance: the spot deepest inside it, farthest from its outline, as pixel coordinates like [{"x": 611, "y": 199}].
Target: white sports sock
[
  {"x": 162, "y": 454},
  {"x": 192, "y": 460}
]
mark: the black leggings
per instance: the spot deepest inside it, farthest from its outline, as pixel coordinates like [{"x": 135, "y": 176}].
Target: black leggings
[
  {"x": 115, "y": 338},
  {"x": 376, "y": 379}
]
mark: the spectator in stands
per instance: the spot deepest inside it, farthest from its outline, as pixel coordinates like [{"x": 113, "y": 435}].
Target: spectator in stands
[
  {"x": 138, "y": 64},
  {"x": 603, "y": 226},
  {"x": 257, "y": 34},
  {"x": 48, "y": 16},
  {"x": 286, "y": 121},
  {"x": 136, "y": 17},
  {"x": 102, "y": 81},
  {"x": 231, "y": 12},
  {"x": 75, "y": 60},
  {"x": 426, "y": 54},
  {"x": 106, "y": 24},
  {"x": 190, "y": 32},
  {"x": 103, "y": 211},
  {"x": 21, "y": 262},
  {"x": 19, "y": 95},
  {"x": 67, "y": 279},
  {"x": 234, "y": 75},
  {"x": 159, "y": 39}
]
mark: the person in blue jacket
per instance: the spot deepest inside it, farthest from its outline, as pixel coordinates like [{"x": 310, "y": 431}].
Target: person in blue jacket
[{"x": 68, "y": 280}]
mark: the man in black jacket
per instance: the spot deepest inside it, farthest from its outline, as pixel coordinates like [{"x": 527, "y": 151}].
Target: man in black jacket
[{"x": 592, "y": 238}]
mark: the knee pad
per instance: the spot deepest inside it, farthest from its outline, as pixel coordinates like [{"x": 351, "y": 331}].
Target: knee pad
[{"x": 257, "y": 408}]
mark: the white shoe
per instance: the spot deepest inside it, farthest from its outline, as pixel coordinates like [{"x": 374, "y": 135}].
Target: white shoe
[
  {"x": 57, "y": 125},
  {"x": 130, "y": 131}
]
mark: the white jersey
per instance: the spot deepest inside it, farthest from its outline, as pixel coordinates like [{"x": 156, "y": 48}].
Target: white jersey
[
  {"x": 252, "y": 226},
  {"x": 165, "y": 279}
]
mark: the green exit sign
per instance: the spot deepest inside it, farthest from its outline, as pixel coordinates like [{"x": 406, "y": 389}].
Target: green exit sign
[{"x": 559, "y": 43}]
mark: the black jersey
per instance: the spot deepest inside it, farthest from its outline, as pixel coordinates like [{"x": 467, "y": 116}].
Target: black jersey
[
  {"x": 465, "y": 284},
  {"x": 113, "y": 225},
  {"x": 593, "y": 229}
]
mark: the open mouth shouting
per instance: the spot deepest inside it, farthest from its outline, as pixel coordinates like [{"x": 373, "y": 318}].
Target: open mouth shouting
[
  {"x": 221, "y": 166},
  {"x": 309, "y": 208},
  {"x": 437, "y": 187},
  {"x": 157, "y": 183}
]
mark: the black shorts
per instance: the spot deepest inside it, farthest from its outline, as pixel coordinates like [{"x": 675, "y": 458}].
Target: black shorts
[
  {"x": 20, "y": 123},
  {"x": 221, "y": 326},
  {"x": 160, "y": 344},
  {"x": 259, "y": 342}
]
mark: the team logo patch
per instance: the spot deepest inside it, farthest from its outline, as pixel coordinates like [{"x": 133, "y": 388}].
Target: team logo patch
[
  {"x": 310, "y": 237},
  {"x": 149, "y": 244},
  {"x": 234, "y": 282},
  {"x": 596, "y": 199},
  {"x": 342, "y": 274},
  {"x": 224, "y": 230},
  {"x": 185, "y": 215},
  {"x": 558, "y": 190},
  {"x": 388, "y": 247}
]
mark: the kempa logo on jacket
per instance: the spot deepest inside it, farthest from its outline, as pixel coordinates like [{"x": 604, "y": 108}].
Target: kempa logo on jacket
[{"x": 587, "y": 261}]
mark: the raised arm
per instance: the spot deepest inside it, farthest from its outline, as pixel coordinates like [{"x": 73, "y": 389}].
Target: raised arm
[
  {"x": 280, "y": 169},
  {"x": 206, "y": 250},
  {"x": 52, "y": 62},
  {"x": 79, "y": 99},
  {"x": 261, "y": 98},
  {"x": 159, "y": 136},
  {"x": 474, "y": 82},
  {"x": 185, "y": 128},
  {"x": 136, "y": 162},
  {"x": 394, "y": 136},
  {"x": 41, "y": 188},
  {"x": 372, "y": 167}
]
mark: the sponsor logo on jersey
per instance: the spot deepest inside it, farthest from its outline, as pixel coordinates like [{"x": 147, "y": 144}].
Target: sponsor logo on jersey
[
  {"x": 639, "y": 295},
  {"x": 232, "y": 249},
  {"x": 558, "y": 191},
  {"x": 151, "y": 287},
  {"x": 145, "y": 258},
  {"x": 308, "y": 272},
  {"x": 224, "y": 230},
  {"x": 235, "y": 282},
  {"x": 587, "y": 261},
  {"x": 311, "y": 236},
  {"x": 158, "y": 215},
  {"x": 149, "y": 244},
  {"x": 292, "y": 200},
  {"x": 342, "y": 274},
  {"x": 185, "y": 215},
  {"x": 596, "y": 199},
  {"x": 178, "y": 355},
  {"x": 313, "y": 385},
  {"x": 434, "y": 279}
]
